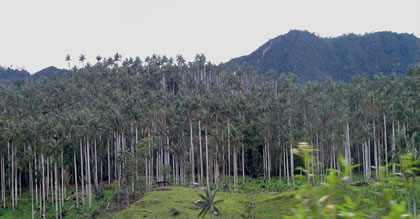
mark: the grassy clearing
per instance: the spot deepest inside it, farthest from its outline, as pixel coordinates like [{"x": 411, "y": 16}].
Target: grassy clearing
[
  {"x": 159, "y": 202},
  {"x": 254, "y": 199}
]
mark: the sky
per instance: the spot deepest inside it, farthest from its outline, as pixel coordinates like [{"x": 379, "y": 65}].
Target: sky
[{"x": 36, "y": 34}]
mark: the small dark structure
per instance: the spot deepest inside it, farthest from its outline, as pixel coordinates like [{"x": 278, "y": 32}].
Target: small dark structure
[{"x": 162, "y": 183}]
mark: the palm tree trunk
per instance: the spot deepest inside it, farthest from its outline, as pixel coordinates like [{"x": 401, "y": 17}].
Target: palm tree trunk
[
  {"x": 265, "y": 159},
  {"x": 228, "y": 155},
  {"x": 3, "y": 183},
  {"x": 96, "y": 164},
  {"x": 243, "y": 165},
  {"x": 292, "y": 168},
  {"x": 348, "y": 149},
  {"x": 207, "y": 163},
  {"x": 280, "y": 160},
  {"x": 31, "y": 188},
  {"x": 89, "y": 174},
  {"x": 56, "y": 190},
  {"x": 49, "y": 183},
  {"x": 268, "y": 162},
  {"x": 43, "y": 184},
  {"x": 63, "y": 187},
  {"x": 81, "y": 172},
  {"x": 201, "y": 152},
  {"x": 116, "y": 137},
  {"x": 385, "y": 145},
  {"x": 192, "y": 153},
  {"x": 368, "y": 159},
  {"x": 13, "y": 178},
  {"x": 364, "y": 159},
  {"x": 235, "y": 169},
  {"x": 109, "y": 161},
  {"x": 393, "y": 147},
  {"x": 150, "y": 155},
  {"x": 173, "y": 170},
  {"x": 36, "y": 179},
  {"x": 286, "y": 165},
  {"x": 75, "y": 177},
  {"x": 376, "y": 154},
  {"x": 135, "y": 153}
]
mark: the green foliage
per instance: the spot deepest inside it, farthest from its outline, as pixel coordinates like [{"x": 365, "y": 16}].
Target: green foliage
[
  {"x": 208, "y": 203},
  {"x": 102, "y": 198},
  {"x": 158, "y": 204},
  {"x": 114, "y": 103},
  {"x": 338, "y": 198}
]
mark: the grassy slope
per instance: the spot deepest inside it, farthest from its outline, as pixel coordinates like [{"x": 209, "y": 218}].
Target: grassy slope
[{"x": 159, "y": 202}]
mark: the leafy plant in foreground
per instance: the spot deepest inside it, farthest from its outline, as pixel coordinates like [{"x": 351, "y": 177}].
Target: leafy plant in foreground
[
  {"x": 208, "y": 204},
  {"x": 338, "y": 198}
]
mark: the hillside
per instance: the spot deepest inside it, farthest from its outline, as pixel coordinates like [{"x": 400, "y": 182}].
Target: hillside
[
  {"x": 10, "y": 74},
  {"x": 13, "y": 74},
  {"x": 50, "y": 71},
  {"x": 314, "y": 58},
  {"x": 159, "y": 202}
]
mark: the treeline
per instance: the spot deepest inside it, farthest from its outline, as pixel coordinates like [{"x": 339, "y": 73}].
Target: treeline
[{"x": 136, "y": 122}]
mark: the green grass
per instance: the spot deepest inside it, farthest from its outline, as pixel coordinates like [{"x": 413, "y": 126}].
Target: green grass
[
  {"x": 159, "y": 202},
  {"x": 249, "y": 201}
]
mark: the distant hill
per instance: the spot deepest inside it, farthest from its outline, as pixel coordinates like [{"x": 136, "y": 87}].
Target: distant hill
[
  {"x": 13, "y": 74},
  {"x": 10, "y": 74},
  {"x": 50, "y": 71},
  {"x": 314, "y": 58}
]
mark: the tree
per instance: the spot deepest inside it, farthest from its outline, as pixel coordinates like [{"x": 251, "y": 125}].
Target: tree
[
  {"x": 82, "y": 59},
  {"x": 68, "y": 60}
]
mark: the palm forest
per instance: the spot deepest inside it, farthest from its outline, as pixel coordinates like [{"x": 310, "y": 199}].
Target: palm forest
[{"x": 225, "y": 142}]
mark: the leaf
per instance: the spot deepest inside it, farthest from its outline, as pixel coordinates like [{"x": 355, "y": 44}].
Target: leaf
[
  {"x": 218, "y": 201},
  {"x": 323, "y": 198},
  {"x": 202, "y": 197}
]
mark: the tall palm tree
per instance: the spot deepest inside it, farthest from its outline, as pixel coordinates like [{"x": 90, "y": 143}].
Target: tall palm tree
[{"x": 68, "y": 60}]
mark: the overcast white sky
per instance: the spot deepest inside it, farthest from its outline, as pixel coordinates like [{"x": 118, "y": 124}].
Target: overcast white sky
[{"x": 39, "y": 33}]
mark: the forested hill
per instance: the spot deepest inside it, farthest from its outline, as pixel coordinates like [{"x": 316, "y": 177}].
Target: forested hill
[
  {"x": 11, "y": 74},
  {"x": 314, "y": 58}
]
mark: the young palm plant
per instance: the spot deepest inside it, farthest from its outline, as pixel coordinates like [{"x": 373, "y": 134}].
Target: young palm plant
[{"x": 208, "y": 204}]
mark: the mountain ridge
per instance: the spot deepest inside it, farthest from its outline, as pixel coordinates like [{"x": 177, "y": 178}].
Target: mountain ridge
[
  {"x": 10, "y": 74},
  {"x": 312, "y": 57}
]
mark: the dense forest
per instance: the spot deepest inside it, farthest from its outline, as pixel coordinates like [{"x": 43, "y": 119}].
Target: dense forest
[
  {"x": 315, "y": 58},
  {"x": 134, "y": 122}
]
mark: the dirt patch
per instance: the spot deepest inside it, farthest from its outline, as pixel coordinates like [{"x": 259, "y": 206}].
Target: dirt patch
[
  {"x": 148, "y": 203},
  {"x": 193, "y": 207},
  {"x": 162, "y": 189}
]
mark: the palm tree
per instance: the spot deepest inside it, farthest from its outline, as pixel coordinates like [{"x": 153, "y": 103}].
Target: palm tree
[
  {"x": 98, "y": 58},
  {"x": 68, "y": 60},
  {"x": 82, "y": 59}
]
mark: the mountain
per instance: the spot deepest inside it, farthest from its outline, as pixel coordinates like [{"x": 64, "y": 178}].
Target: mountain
[
  {"x": 315, "y": 58},
  {"x": 49, "y": 72},
  {"x": 9, "y": 74}
]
